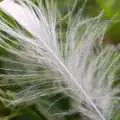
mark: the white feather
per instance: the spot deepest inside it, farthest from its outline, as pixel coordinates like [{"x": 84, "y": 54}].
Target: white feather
[{"x": 86, "y": 69}]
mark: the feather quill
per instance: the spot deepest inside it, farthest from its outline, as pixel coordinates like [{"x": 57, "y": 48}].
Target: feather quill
[{"x": 85, "y": 71}]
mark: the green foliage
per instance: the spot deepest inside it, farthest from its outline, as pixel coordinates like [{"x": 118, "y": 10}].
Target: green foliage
[{"x": 112, "y": 11}]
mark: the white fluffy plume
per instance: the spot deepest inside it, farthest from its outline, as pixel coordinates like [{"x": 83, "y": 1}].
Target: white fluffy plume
[{"x": 79, "y": 66}]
